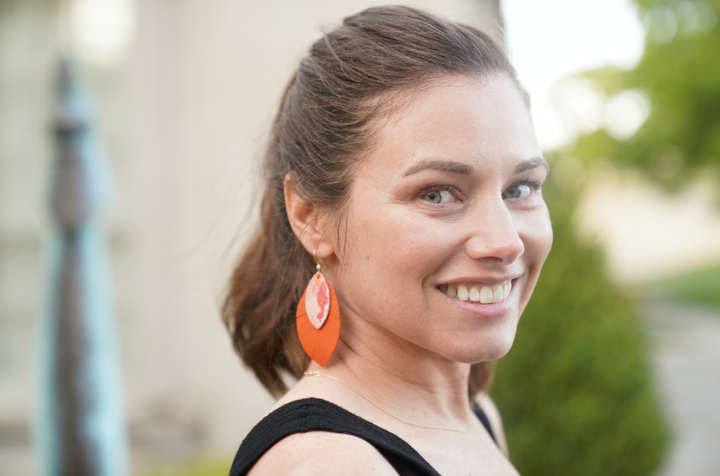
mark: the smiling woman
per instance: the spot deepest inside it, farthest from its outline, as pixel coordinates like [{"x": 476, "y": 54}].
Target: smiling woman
[{"x": 403, "y": 167}]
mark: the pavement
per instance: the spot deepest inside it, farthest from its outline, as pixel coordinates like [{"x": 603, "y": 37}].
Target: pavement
[{"x": 686, "y": 361}]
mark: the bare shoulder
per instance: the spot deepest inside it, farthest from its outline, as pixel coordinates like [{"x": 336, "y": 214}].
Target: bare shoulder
[{"x": 321, "y": 452}]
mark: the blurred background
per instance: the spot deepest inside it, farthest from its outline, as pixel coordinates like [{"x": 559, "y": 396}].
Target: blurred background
[{"x": 616, "y": 369}]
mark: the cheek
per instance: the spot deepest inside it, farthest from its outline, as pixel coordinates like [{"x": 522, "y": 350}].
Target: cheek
[
  {"x": 537, "y": 235},
  {"x": 398, "y": 242}
]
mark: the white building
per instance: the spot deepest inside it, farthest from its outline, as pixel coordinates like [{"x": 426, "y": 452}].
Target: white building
[{"x": 184, "y": 93}]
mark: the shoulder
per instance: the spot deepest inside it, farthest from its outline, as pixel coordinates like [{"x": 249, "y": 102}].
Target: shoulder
[
  {"x": 321, "y": 452},
  {"x": 312, "y": 436}
]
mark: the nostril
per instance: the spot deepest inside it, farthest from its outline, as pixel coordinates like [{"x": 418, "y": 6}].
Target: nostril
[{"x": 495, "y": 247}]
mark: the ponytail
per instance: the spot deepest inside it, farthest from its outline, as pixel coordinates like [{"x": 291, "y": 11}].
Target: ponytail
[{"x": 321, "y": 131}]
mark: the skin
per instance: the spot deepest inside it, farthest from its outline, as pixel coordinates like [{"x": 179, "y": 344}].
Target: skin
[{"x": 450, "y": 194}]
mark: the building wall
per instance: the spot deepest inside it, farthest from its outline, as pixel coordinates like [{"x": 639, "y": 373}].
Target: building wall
[
  {"x": 26, "y": 57},
  {"x": 184, "y": 114},
  {"x": 209, "y": 80}
]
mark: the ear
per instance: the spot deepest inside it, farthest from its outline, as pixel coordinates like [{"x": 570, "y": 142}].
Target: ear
[{"x": 306, "y": 221}]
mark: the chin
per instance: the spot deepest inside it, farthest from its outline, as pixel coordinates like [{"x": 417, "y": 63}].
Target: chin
[{"x": 486, "y": 349}]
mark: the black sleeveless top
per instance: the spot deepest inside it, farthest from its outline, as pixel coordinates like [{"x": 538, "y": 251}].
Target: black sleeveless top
[{"x": 313, "y": 414}]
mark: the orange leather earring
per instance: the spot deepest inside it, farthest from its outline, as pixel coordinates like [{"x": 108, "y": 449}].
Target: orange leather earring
[{"x": 318, "y": 318}]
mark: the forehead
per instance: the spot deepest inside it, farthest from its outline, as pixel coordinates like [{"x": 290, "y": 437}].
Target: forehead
[{"x": 461, "y": 119}]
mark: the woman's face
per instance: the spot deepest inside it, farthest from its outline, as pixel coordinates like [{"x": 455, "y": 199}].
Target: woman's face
[{"x": 446, "y": 225}]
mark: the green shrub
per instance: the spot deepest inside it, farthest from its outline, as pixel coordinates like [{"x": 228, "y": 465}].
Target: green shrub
[{"x": 575, "y": 390}]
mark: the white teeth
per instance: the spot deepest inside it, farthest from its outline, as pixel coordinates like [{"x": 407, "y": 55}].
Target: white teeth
[
  {"x": 481, "y": 294},
  {"x": 462, "y": 293},
  {"x": 486, "y": 295},
  {"x": 498, "y": 294}
]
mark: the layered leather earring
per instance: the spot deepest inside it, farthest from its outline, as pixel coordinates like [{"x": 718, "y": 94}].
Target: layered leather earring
[{"x": 318, "y": 318}]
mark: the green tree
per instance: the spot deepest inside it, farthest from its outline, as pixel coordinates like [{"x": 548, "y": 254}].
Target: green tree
[
  {"x": 575, "y": 390},
  {"x": 680, "y": 73}
]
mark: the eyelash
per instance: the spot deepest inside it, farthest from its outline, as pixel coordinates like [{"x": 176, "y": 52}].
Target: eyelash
[
  {"x": 535, "y": 185},
  {"x": 532, "y": 187},
  {"x": 441, "y": 188}
]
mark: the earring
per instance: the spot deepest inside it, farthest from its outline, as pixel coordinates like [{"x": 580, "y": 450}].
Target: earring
[{"x": 318, "y": 318}]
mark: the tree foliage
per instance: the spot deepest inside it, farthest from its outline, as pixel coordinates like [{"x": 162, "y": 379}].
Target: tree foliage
[
  {"x": 680, "y": 73},
  {"x": 575, "y": 390}
]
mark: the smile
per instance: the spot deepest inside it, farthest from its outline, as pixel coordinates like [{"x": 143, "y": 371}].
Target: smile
[{"x": 478, "y": 293}]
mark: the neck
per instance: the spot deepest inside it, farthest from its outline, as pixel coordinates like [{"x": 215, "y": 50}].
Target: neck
[{"x": 403, "y": 379}]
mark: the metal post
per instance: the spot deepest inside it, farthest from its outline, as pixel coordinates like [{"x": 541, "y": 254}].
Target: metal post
[{"x": 80, "y": 423}]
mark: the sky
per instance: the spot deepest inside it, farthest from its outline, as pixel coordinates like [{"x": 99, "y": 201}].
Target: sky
[
  {"x": 573, "y": 35},
  {"x": 553, "y": 39},
  {"x": 646, "y": 233}
]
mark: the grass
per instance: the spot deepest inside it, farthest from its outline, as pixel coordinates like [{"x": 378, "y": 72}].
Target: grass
[
  {"x": 700, "y": 286},
  {"x": 197, "y": 468}
]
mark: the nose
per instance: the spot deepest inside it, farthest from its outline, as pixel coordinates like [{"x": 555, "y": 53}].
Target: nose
[{"x": 494, "y": 234}]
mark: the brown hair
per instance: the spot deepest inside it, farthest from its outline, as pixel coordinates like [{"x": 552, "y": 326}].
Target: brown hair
[{"x": 351, "y": 75}]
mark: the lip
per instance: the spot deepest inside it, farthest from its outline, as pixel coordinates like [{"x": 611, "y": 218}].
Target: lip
[
  {"x": 486, "y": 281},
  {"x": 486, "y": 311}
]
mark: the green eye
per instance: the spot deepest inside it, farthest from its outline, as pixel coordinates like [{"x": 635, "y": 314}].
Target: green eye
[
  {"x": 517, "y": 191},
  {"x": 438, "y": 196},
  {"x": 433, "y": 197}
]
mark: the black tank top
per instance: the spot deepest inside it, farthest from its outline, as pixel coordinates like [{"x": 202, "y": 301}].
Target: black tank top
[{"x": 313, "y": 414}]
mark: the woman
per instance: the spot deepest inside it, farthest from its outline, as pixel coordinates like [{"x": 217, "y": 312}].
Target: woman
[{"x": 402, "y": 233}]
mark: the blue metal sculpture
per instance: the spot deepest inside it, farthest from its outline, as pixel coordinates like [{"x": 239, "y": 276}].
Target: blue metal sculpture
[{"x": 80, "y": 430}]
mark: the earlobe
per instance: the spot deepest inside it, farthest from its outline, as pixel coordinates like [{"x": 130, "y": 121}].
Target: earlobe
[{"x": 305, "y": 220}]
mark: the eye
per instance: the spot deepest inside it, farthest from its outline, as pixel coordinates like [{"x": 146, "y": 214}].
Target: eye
[
  {"x": 438, "y": 196},
  {"x": 520, "y": 190},
  {"x": 517, "y": 191}
]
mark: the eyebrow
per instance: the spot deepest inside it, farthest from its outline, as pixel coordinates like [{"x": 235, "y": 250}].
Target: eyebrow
[
  {"x": 465, "y": 169},
  {"x": 442, "y": 165},
  {"x": 533, "y": 163}
]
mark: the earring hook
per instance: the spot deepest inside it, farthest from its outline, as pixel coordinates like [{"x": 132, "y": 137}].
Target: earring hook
[{"x": 318, "y": 266}]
